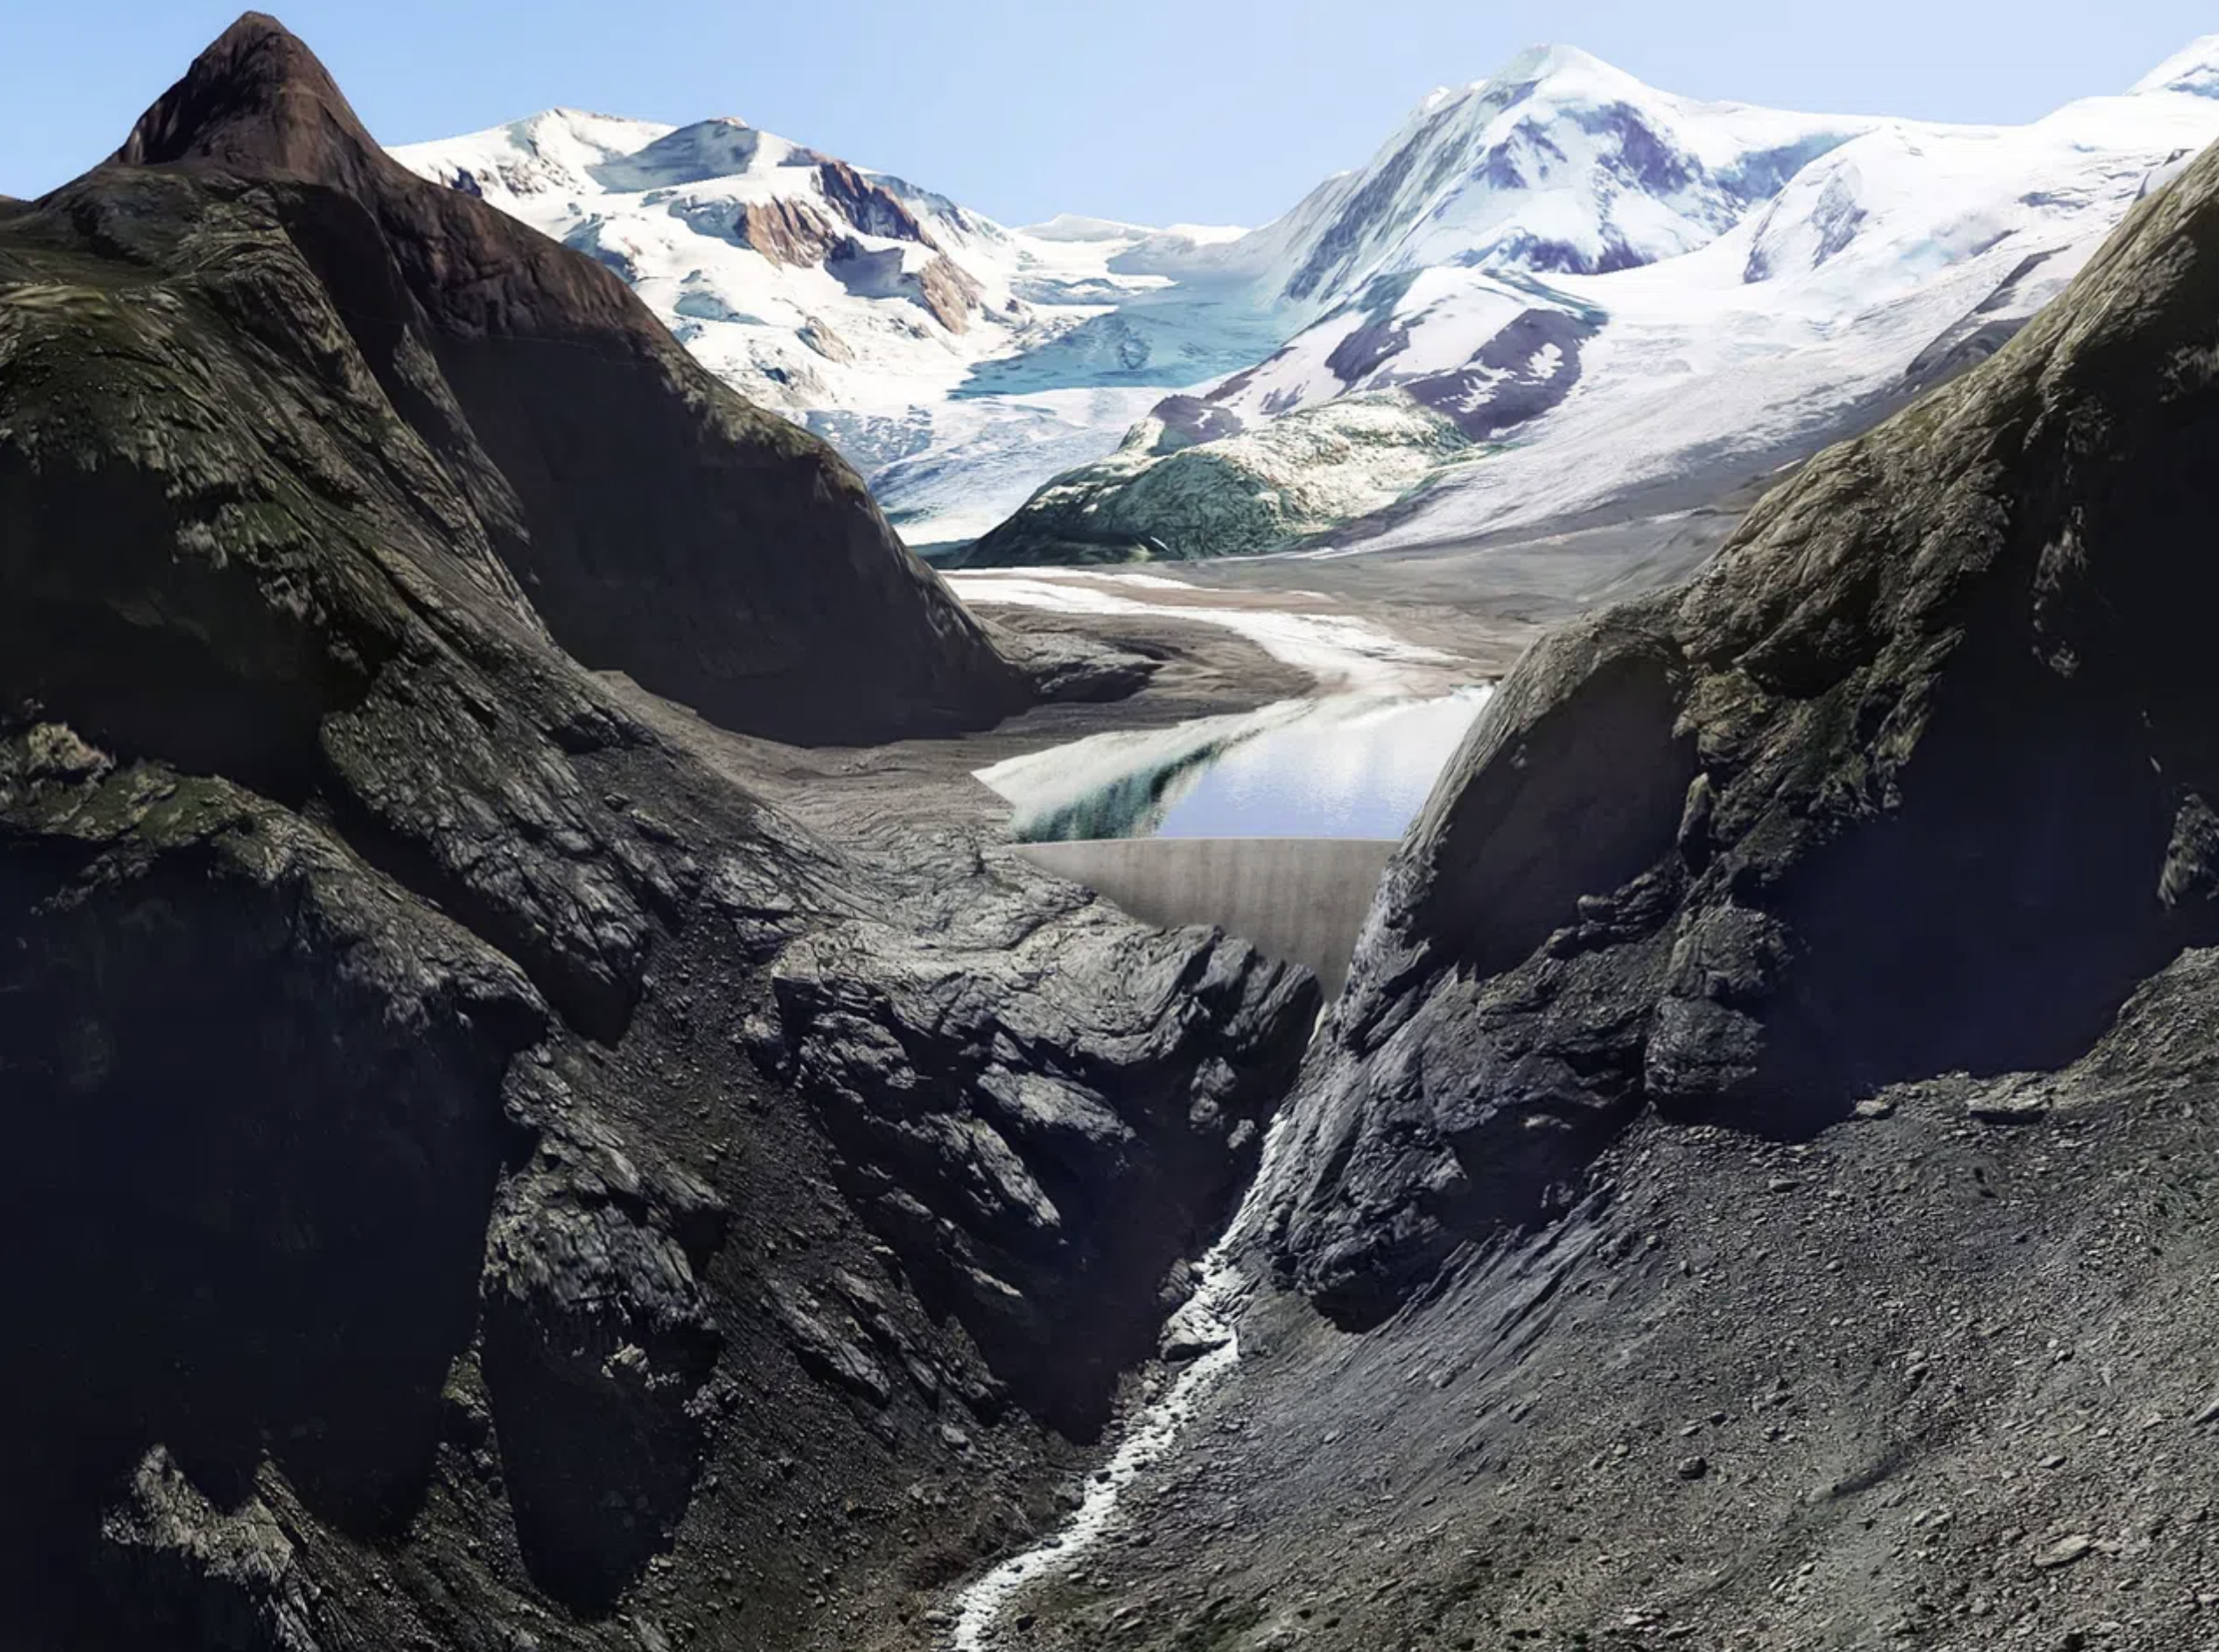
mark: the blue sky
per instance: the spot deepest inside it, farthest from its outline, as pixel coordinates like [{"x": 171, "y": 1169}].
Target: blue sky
[{"x": 1155, "y": 110}]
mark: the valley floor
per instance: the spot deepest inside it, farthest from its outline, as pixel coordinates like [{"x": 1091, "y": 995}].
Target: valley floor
[
  {"x": 1414, "y": 621},
  {"x": 1432, "y": 615},
  {"x": 1228, "y": 636}
]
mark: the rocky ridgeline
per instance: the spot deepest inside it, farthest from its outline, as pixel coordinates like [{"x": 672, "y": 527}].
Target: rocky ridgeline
[{"x": 656, "y": 523}]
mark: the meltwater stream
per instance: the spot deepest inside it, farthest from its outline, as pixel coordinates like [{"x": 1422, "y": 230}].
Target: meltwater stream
[
  {"x": 1210, "y": 1319},
  {"x": 1151, "y": 1433}
]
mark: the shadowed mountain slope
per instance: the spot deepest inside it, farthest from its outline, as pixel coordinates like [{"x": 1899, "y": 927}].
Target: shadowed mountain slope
[
  {"x": 488, "y": 1180},
  {"x": 658, "y": 525},
  {"x": 1915, "y": 778}
]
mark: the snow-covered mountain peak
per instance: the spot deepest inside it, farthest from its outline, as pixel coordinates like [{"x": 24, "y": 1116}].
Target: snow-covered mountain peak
[
  {"x": 800, "y": 277},
  {"x": 2194, "y": 70},
  {"x": 1538, "y": 62},
  {"x": 1565, "y": 72},
  {"x": 896, "y": 321},
  {"x": 1558, "y": 164},
  {"x": 555, "y": 151},
  {"x": 1076, "y": 226},
  {"x": 1548, "y": 261},
  {"x": 1573, "y": 290}
]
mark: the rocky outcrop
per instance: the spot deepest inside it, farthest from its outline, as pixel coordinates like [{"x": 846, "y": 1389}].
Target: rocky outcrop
[
  {"x": 785, "y": 232},
  {"x": 660, "y": 526},
  {"x": 817, "y": 230},
  {"x": 260, "y": 1084},
  {"x": 187, "y": 1573},
  {"x": 1523, "y": 372},
  {"x": 1164, "y": 496},
  {"x": 1190, "y": 420},
  {"x": 598, "y": 1343},
  {"x": 938, "y": 286},
  {"x": 1914, "y": 779},
  {"x": 868, "y": 205},
  {"x": 999, "y": 1134},
  {"x": 947, "y": 290}
]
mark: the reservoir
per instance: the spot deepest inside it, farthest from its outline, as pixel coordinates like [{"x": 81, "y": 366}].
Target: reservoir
[{"x": 1340, "y": 766}]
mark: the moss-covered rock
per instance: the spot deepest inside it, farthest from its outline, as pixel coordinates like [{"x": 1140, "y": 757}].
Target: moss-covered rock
[{"x": 1162, "y": 497}]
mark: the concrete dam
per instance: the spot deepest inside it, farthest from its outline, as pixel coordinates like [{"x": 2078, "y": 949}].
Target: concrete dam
[{"x": 1301, "y": 899}]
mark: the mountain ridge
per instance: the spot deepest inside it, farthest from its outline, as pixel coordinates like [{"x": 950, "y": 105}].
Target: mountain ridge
[
  {"x": 964, "y": 370},
  {"x": 1695, "y": 165},
  {"x": 1036, "y": 344},
  {"x": 478, "y": 294},
  {"x": 1897, "y": 252}
]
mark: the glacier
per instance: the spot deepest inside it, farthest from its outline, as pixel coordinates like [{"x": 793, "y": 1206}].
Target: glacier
[
  {"x": 956, "y": 362},
  {"x": 1620, "y": 304},
  {"x": 1554, "y": 293}
]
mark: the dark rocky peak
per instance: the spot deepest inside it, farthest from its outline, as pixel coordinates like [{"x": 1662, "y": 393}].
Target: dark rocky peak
[
  {"x": 260, "y": 103},
  {"x": 656, "y": 523}
]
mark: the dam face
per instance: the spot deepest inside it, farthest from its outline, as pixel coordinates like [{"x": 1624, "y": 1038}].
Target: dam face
[{"x": 1301, "y": 899}]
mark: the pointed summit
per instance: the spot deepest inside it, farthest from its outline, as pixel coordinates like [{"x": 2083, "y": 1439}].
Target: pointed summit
[
  {"x": 258, "y": 101},
  {"x": 1547, "y": 61},
  {"x": 656, "y": 523},
  {"x": 2194, "y": 69}
]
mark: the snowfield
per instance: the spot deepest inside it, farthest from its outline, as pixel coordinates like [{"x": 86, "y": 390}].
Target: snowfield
[
  {"x": 957, "y": 363},
  {"x": 1607, "y": 362},
  {"x": 1555, "y": 291}
]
